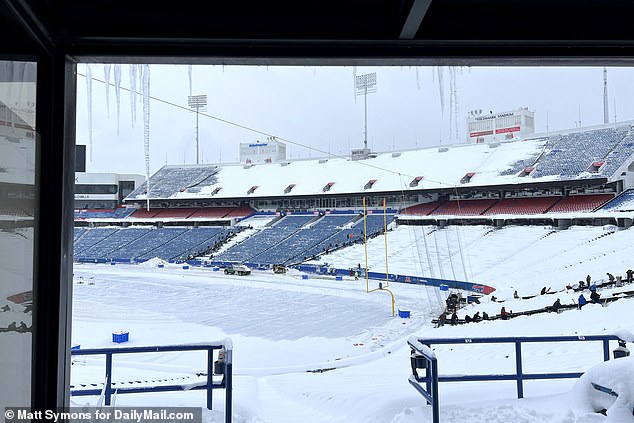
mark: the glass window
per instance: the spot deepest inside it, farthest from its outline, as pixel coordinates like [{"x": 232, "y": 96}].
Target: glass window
[
  {"x": 18, "y": 193},
  {"x": 95, "y": 189}
]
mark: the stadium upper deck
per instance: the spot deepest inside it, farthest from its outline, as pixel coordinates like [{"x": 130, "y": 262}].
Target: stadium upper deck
[{"x": 603, "y": 154}]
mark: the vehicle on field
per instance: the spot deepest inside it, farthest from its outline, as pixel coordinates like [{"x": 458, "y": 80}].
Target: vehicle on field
[
  {"x": 239, "y": 269},
  {"x": 278, "y": 268}
]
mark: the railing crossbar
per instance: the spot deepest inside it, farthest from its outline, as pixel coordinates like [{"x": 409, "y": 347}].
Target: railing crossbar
[
  {"x": 208, "y": 384},
  {"x": 422, "y": 347}
]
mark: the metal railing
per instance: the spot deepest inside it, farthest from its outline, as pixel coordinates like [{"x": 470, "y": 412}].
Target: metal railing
[
  {"x": 209, "y": 385},
  {"x": 425, "y": 359}
]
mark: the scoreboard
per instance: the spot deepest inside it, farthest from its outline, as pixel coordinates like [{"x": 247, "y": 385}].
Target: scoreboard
[{"x": 502, "y": 126}]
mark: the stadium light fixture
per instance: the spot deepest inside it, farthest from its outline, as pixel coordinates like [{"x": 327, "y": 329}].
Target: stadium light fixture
[
  {"x": 198, "y": 102},
  {"x": 365, "y": 84}
]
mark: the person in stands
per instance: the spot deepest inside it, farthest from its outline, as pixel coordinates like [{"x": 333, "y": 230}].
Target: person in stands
[
  {"x": 610, "y": 277},
  {"x": 556, "y": 306},
  {"x": 582, "y": 301},
  {"x": 477, "y": 317},
  {"x": 442, "y": 319},
  {"x": 454, "y": 319},
  {"x": 504, "y": 313},
  {"x": 467, "y": 319},
  {"x": 485, "y": 316},
  {"x": 515, "y": 295},
  {"x": 595, "y": 297}
]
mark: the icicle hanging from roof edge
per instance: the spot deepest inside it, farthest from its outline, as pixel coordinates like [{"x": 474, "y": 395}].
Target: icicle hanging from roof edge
[
  {"x": 140, "y": 73},
  {"x": 441, "y": 87},
  {"x": 146, "y": 128},
  {"x": 89, "y": 100},
  {"x": 452, "y": 110},
  {"x": 117, "y": 92},
  {"x": 132, "y": 73},
  {"x": 354, "y": 83},
  {"x": 189, "y": 72},
  {"x": 106, "y": 75},
  {"x": 455, "y": 101},
  {"x": 417, "y": 80}
]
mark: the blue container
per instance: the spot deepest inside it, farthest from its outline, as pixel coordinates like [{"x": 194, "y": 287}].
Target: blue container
[
  {"x": 403, "y": 313},
  {"x": 185, "y": 266},
  {"x": 304, "y": 276},
  {"x": 160, "y": 266},
  {"x": 120, "y": 337},
  {"x": 112, "y": 263},
  {"x": 215, "y": 269},
  {"x": 444, "y": 287},
  {"x": 339, "y": 278},
  {"x": 75, "y": 347}
]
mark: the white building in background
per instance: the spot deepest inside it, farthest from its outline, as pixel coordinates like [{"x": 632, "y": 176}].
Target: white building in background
[
  {"x": 502, "y": 126},
  {"x": 262, "y": 152}
]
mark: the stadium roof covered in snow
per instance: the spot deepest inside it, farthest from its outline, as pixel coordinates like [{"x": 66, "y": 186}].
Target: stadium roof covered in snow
[{"x": 599, "y": 153}]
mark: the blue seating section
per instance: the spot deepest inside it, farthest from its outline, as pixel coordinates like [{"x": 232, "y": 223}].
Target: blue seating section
[
  {"x": 574, "y": 153},
  {"x": 78, "y": 232},
  {"x": 292, "y": 239},
  {"x": 618, "y": 155},
  {"x": 171, "y": 180},
  {"x": 145, "y": 242},
  {"x": 624, "y": 202},
  {"x": 518, "y": 166},
  {"x": 374, "y": 227},
  {"x": 281, "y": 245},
  {"x": 90, "y": 238},
  {"x": 118, "y": 239},
  {"x": 306, "y": 238},
  {"x": 150, "y": 241},
  {"x": 266, "y": 238},
  {"x": 192, "y": 241}
]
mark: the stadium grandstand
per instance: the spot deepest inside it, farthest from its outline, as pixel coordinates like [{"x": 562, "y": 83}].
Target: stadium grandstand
[{"x": 288, "y": 212}]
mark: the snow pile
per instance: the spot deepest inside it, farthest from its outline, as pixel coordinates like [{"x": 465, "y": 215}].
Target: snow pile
[
  {"x": 615, "y": 375},
  {"x": 153, "y": 262}
]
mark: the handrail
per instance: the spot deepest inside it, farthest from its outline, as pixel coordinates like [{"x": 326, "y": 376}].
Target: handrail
[
  {"x": 209, "y": 385},
  {"x": 421, "y": 348}
]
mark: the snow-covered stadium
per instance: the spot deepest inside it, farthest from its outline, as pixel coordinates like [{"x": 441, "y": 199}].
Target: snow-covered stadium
[
  {"x": 523, "y": 221},
  {"x": 299, "y": 209}
]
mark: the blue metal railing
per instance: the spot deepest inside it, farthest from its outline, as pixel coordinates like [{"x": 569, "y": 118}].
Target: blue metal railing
[
  {"x": 428, "y": 361},
  {"x": 209, "y": 385}
]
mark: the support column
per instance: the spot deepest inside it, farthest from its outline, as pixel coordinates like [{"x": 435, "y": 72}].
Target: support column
[{"x": 52, "y": 281}]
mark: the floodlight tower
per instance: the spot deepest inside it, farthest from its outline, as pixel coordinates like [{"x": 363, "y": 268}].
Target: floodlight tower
[
  {"x": 365, "y": 84},
  {"x": 198, "y": 102}
]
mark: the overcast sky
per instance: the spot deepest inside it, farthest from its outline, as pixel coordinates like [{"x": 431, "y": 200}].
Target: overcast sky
[{"x": 317, "y": 107}]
